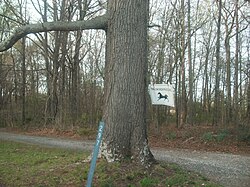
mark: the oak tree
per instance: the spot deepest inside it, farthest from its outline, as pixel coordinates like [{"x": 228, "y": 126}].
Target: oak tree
[{"x": 124, "y": 113}]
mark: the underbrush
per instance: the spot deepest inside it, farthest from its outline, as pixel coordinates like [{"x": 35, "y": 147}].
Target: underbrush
[
  {"x": 27, "y": 165},
  {"x": 217, "y": 137},
  {"x": 243, "y": 134},
  {"x": 227, "y": 139}
]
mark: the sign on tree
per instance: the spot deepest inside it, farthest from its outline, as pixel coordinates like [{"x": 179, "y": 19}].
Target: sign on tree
[{"x": 161, "y": 94}]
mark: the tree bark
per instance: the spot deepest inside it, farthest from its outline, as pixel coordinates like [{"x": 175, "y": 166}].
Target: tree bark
[
  {"x": 75, "y": 77},
  {"x": 47, "y": 111},
  {"x": 1, "y": 81},
  {"x": 228, "y": 30},
  {"x": 23, "y": 83},
  {"x": 248, "y": 103},
  {"x": 125, "y": 75},
  {"x": 190, "y": 70},
  {"x": 248, "y": 83},
  {"x": 183, "y": 99},
  {"x": 236, "y": 68},
  {"x": 125, "y": 82},
  {"x": 228, "y": 78},
  {"x": 217, "y": 75}
]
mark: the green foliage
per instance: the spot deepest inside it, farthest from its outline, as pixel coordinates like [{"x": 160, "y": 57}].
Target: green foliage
[
  {"x": 200, "y": 115},
  {"x": 208, "y": 136},
  {"x": 2, "y": 121},
  {"x": 84, "y": 119},
  {"x": 171, "y": 135},
  {"x": 243, "y": 133},
  {"x": 132, "y": 175},
  {"x": 106, "y": 183},
  {"x": 35, "y": 108},
  {"x": 222, "y": 135},
  {"x": 148, "y": 182},
  {"x": 219, "y": 137},
  {"x": 26, "y": 165},
  {"x": 183, "y": 178},
  {"x": 177, "y": 180},
  {"x": 86, "y": 132}
]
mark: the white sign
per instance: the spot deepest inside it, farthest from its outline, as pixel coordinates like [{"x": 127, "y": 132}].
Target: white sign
[{"x": 161, "y": 94}]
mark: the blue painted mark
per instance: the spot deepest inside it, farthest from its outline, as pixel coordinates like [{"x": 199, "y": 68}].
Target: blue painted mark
[{"x": 95, "y": 154}]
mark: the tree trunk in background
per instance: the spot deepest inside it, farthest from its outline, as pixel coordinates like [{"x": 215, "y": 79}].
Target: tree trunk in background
[
  {"x": 55, "y": 74},
  {"x": 23, "y": 83},
  {"x": 125, "y": 82},
  {"x": 248, "y": 103},
  {"x": 64, "y": 16},
  {"x": 74, "y": 104},
  {"x": 228, "y": 78},
  {"x": 56, "y": 65},
  {"x": 32, "y": 77},
  {"x": 177, "y": 80},
  {"x": 47, "y": 111},
  {"x": 248, "y": 83},
  {"x": 1, "y": 82},
  {"x": 206, "y": 88},
  {"x": 229, "y": 21},
  {"x": 1, "y": 77},
  {"x": 236, "y": 68},
  {"x": 62, "y": 109},
  {"x": 183, "y": 99},
  {"x": 75, "y": 78},
  {"x": 217, "y": 113},
  {"x": 190, "y": 71},
  {"x": 48, "y": 77}
]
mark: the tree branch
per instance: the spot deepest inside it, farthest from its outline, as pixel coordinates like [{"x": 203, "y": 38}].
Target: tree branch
[{"x": 99, "y": 22}]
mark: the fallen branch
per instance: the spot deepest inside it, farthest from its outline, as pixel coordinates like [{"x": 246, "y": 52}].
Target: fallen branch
[{"x": 187, "y": 140}]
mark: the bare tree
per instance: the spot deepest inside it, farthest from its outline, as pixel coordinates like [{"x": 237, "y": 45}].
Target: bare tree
[
  {"x": 217, "y": 111},
  {"x": 190, "y": 70},
  {"x": 229, "y": 20},
  {"x": 236, "y": 76}
]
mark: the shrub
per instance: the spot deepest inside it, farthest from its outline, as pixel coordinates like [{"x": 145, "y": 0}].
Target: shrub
[
  {"x": 222, "y": 135},
  {"x": 208, "y": 136},
  {"x": 171, "y": 136},
  {"x": 244, "y": 134}
]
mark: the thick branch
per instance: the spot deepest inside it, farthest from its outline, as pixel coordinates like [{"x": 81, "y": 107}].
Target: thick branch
[{"x": 99, "y": 22}]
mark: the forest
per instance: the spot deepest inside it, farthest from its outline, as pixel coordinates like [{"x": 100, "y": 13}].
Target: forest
[{"x": 56, "y": 78}]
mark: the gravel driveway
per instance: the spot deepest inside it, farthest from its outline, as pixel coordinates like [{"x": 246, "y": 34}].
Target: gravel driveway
[{"x": 227, "y": 169}]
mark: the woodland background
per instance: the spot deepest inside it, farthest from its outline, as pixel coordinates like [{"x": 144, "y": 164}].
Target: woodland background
[{"x": 56, "y": 79}]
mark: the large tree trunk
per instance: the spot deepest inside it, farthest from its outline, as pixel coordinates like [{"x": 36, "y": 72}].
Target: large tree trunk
[{"x": 125, "y": 82}]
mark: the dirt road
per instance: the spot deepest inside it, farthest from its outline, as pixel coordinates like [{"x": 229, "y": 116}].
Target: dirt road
[{"x": 227, "y": 169}]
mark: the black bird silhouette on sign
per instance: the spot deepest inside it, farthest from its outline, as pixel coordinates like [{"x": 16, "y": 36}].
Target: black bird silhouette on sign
[{"x": 162, "y": 96}]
